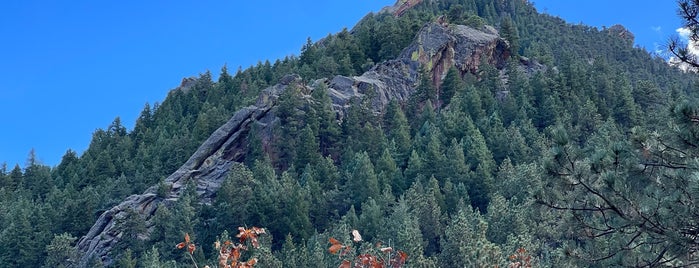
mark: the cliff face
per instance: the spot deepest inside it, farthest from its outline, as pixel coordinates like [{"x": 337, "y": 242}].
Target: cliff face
[
  {"x": 441, "y": 46},
  {"x": 437, "y": 47}
]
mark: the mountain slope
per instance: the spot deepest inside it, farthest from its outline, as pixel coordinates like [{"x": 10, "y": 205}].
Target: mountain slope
[
  {"x": 427, "y": 129},
  {"x": 438, "y": 46}
]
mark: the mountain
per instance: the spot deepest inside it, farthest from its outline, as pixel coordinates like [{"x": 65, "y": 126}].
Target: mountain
[
  {"x": 439, "y": 46},
  {"x": 465, "y": 133}
]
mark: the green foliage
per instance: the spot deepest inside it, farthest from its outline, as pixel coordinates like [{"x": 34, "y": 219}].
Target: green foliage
[
  {"x": 61, "y": 252},
  {"x": 584, "y": 160}
]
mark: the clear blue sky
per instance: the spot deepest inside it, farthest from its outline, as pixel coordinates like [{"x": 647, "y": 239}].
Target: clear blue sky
[{"x": 70, "y": 67}]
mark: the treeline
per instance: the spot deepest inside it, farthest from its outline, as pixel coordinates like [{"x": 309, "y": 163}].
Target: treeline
[{"x": 455, "y": 177}]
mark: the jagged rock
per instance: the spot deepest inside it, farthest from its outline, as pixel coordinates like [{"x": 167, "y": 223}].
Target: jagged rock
[
  {"x": 207, "y": 167},
  {"x": 187, "y": 83},
  {"x": 621, "y": 32},
  {"x": 437, "y": 47}
]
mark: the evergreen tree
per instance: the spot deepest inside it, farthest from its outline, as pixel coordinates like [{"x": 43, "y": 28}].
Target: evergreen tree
[
  {"x": 398, "y": 131},
  {"x": 61, "y": 252},
  {"x": 231, "y": 204},
  {"x": 425, "y": 205},
  {"x": 404, "y": 226},
  {"x": 151, "y": 259},
  {"x": 362, "y": 181},
  {"x": 307, "y": 150},
  {"x": 466, "y": 244},
  {"x": 508, "y": 31},
  {"x": 452, "y": 83}
]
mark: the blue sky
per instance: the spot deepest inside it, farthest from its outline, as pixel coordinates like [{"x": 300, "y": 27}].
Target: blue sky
[
  {"x": 70, "y": 67},
  {"x": 651, "y": 21}
]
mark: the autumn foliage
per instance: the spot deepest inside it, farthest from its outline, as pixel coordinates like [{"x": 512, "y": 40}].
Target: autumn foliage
[
  {"x": 521, "y": 259},
  {"x": 384, "y": 256},
  {"x": 230, "y": 252}
]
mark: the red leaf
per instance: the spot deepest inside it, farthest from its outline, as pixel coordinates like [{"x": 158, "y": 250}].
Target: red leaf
[
  {"x": 186, "y": 238},
  {"x": 191, "y": 248},
  {"x": 180, "y": 245}
]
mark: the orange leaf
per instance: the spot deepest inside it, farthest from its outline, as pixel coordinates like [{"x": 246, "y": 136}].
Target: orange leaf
[
  {"x": 180, "y": 245},
  {"x": 399, "y": 259},
  {"x": 365, "y": 259},
  {"x": 186, "y": 238},
  {"x": 235, "y": 254},
  {"x": 345, "y": 264},
  {"x": 335, "y": 248},
  {"x": 252, "y": 262},
  {"x": 334, "y": 241},
  {"x": 191, "y": 248}
]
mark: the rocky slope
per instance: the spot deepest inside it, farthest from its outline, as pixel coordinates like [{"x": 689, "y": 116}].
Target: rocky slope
[{"x": 437, "y": 47}]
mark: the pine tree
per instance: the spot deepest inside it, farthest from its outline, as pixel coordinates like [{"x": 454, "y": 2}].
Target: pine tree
[
  {"x": 371, "y": 220},
  {"x": 450, "y": 86},
  {"x": 388, "y": 173},
  {"x": 425, "y": 205},
  {"x": 61, "y": 252},
  {"x": 231, "y": 204},
  {"x": 362, "y": 180},
  {"x": 328, "y": 128},
  {"x": 398, "y": 131},
  {"x": 466, "y": 244},
  {"x": 151, "y": 259},
  {"x": 307, "y": 150},
  {"x": 508, "y": 31},
  {"x": 404, "y": 226}
]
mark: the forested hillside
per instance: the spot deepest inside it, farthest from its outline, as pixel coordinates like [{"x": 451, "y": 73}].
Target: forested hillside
[{"x": 563, "y": 140}]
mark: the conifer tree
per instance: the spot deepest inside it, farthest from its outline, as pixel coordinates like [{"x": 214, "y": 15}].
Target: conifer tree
[
  {"x": 398, "y": 131},
  {"x": 450, "y": 86},
  {"x": 362, "y": 180}
]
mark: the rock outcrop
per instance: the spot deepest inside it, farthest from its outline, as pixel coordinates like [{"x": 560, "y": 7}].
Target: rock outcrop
[
  {"x": 207, "y": 167},
  {"x": 440, "y": 46},
  {"x": 437, "y": 47}
]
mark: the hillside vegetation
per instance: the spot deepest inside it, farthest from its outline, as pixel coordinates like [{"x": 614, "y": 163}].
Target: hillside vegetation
[{"x": 577, "y": 147}]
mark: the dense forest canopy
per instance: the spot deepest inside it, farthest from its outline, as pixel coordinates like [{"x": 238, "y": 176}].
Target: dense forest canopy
[{"x": 581, "y": 149}]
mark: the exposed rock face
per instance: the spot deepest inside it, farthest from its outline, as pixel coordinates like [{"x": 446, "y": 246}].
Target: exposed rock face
[
  {"x": 622, "y": 32},
  {"x": 437, "y": 47},
  {"x": 207, "y": 167}
]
